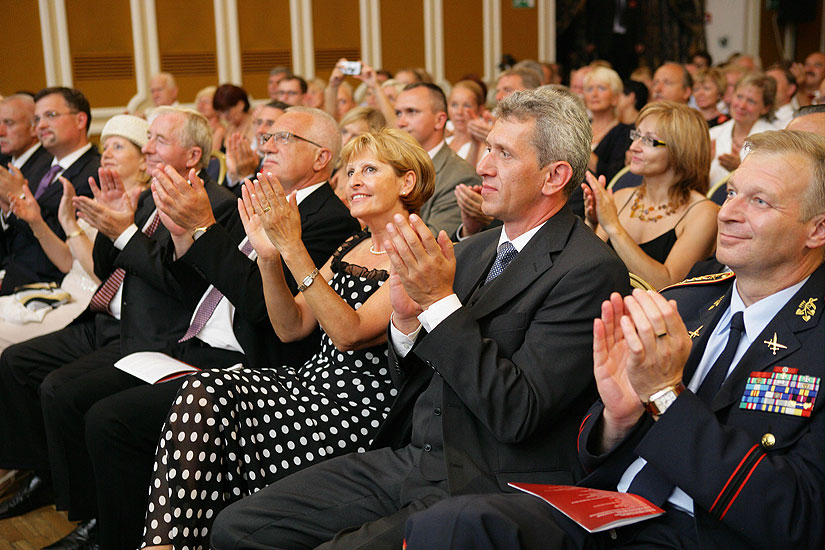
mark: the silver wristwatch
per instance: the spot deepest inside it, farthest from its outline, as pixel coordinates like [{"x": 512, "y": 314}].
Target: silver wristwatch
[{"x": 308, "y": 280}]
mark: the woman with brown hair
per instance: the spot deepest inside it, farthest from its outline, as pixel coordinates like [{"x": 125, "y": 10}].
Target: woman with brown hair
[{"x": 664, "y": 226}]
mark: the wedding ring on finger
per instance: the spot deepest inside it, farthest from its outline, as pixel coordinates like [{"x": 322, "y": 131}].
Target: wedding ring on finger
[
  {"x": 267, "y": 208},
  {"x": 21, "y": 196},
  {"x": 661, "y": 334}
]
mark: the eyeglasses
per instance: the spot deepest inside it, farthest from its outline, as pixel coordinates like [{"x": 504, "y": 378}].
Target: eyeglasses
[
  {"x": 646, "y": 140},
  {"x": 283, "y": 138},
  {"x": 50, "y": 116}
]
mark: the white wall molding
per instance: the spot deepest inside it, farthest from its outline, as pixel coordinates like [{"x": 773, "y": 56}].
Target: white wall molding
[
  {"x": 54, "y": 32},
  {"x": 752, "y": 28},
  {"x": 491, "y": 37},
  {"x": 434, "y": 39},
  {"x": 370, "y": 26},
  {"x": 303, "y": 46},
  {"x": 227, "y": 41},
  {"x": 547, "y": 30}
]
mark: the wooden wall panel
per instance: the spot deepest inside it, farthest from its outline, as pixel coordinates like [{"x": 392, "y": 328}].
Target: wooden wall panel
[
  {"x": 807, "y": 38},
  {"x": 22, "y": 66},
  {"x": 186, "y": 41},
  {"x": 103, "y": 65},
  {"x": 336, "y": 33},
  {"x": 402, "y": 34},
  {"x": 266, "y": 41},
  {"x": 519, "y": 31},
  {"x": 463, "y": 39}
]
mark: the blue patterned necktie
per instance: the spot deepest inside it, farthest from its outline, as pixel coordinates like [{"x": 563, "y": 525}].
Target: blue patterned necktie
[{"x": 506, "y": 253}]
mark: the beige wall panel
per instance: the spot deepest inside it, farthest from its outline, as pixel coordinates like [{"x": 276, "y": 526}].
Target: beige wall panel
[
  {"x": 22, "y": 66},
  {"x": 519, "y": 31},
  {"x": 265, "y": 39},
  {"x": 186, "y": 41},
  {"x": 336, "y": 33},
  {"x": 463, "y": 39},
  {"x": 402, "y": 34},
  {"x": 102, "y": 54}
]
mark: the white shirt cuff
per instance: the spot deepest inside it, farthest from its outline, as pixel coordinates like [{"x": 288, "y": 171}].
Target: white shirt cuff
[
  {"x": 402, "y": 343},
  {"x": 123, "y": 238},
  {"x": 439, "y": 311}
]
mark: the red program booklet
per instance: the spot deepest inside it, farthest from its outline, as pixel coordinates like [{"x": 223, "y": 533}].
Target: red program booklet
[{"x": 593, "y": 509}]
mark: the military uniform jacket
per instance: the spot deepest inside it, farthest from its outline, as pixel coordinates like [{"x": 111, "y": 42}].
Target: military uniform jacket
[
  {"x": 757, "y": 477},
  {"x": 515, "y": 362}
]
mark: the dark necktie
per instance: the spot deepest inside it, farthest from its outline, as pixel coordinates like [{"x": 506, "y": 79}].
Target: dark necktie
[
  {"x": 209, "y": 305},
  {"x": 46, "y": 180},
  {"x": 651, "y": 484},
  {"x": 506, "y": 253},
  {"x": 719, "y": 371},
  {"x": 104, "y": 294}
]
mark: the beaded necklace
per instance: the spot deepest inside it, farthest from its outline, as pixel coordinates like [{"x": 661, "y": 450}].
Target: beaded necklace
[{"x": 647, "y": 213}]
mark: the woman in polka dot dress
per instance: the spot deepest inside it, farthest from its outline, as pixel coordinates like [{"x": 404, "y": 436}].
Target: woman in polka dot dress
[{"x": 231, "y": 433}]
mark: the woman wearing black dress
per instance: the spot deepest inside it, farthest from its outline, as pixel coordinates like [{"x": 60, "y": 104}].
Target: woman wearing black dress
[
  {"x": 231, "y": 433},
  {"x": 665, "y": 225}
]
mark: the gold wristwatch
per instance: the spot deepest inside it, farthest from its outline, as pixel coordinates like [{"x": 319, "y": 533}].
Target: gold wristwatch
[{"x": 662, "y": 399}]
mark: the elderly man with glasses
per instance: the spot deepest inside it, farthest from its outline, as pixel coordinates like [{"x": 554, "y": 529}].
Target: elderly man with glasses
[
  {"x": 122, "y": 429},
  {"x": 61, "y": 122}
]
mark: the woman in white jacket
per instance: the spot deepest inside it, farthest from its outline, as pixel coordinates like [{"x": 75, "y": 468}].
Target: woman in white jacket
[{"x": 751, "y": 112}]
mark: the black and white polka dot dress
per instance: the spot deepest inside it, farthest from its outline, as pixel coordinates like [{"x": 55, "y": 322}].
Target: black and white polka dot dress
[{"x": 231, "y": 433}]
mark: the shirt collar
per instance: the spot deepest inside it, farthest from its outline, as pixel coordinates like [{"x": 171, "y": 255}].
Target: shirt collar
[
  {"x": 521, "y": 241},
  {"x": 18, "y": 162},
  {"x": 304, "y": 192},
  {"x": 72, "y": 157},
  {"x": 434, "y": 151},
  {"x": 758, "y": 315}
]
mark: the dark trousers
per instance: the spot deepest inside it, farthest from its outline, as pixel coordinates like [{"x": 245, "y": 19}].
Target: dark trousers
[
  {"x": 524, "y": 522},
  {"x": 23, "y": 368},
  {"x": 121, "y": 435},
  {"x": 356, "y": 501}
]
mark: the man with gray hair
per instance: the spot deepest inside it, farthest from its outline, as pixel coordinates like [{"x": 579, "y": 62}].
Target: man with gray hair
[
  {"x": 490, "y": 346},
  {"x": 230, "y": 324},
  {"x": 275, "y": 76},
  {"x": 48, "y": 383},
  {"x": 163, "y": 89}
]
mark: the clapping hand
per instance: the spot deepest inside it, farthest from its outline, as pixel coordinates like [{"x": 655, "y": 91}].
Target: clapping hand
[
  {"x": 24, "y": 205},
  {"x": 250, "y": 211},
  {"x": 112, "y": 210},
  {"x": 599, "y": 207},
  {"x": 184, "y": 202},
  {"x": 424, "y": 264},
  {"x": 279, "y": 214}
]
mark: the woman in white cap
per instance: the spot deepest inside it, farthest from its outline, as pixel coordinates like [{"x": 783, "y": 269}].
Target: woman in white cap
[{"x": 123, "y": 137}]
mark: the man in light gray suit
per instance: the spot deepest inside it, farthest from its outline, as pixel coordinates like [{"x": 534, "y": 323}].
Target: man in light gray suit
[{"x": 421, "y": 110}]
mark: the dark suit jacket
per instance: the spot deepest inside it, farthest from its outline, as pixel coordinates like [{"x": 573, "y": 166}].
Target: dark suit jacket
[
  {"x": 24, "y": 259},
  {"x": 515, "y": 360},
  {"x": 748, "y": 492},
  {"x": 325, "y": 224},
  {"x": 153, "y": 311},
  {"x": 441, "y": 209}
]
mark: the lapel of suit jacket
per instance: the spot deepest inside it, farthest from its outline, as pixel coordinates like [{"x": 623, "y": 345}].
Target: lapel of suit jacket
[
  {"x": 439, "y": 160},
  {"x": 705, "y": 324},
  {"x": 533, "y": 260},
  {"x": 314, "y": 202},
  {"x": 783, "y": 329}
]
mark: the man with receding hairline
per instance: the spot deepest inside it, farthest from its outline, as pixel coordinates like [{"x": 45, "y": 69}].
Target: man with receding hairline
[
  {"x": 61, "y": 120},
  {"x": 421, "y": 111}
]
